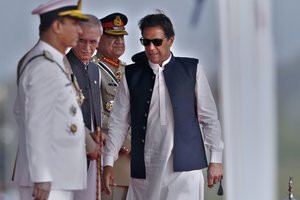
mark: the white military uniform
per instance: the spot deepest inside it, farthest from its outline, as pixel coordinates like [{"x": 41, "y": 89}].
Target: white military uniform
[{"x": 51, "y": 128}]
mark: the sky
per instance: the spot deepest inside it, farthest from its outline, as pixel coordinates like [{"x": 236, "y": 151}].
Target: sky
[
  {"x": 20, "y": 29},
  {"x": 19, "y": 32}
]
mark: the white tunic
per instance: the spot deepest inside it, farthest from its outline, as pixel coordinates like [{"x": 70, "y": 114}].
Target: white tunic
[
  {"x": 45, "y": 109},
  {"x": 161, "y": 182}
]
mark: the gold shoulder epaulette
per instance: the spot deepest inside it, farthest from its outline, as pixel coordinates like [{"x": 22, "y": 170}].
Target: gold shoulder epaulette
[{"x": 48, "y": 55}]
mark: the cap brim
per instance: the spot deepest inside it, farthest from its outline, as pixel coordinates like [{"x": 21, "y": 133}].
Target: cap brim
[
  {"x": 116, "y": 32},
  {"x": 74, "y": 13}
]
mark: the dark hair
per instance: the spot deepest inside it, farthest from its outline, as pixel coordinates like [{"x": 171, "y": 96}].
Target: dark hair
[
  {"x": 45, "y": 23},
  {"x": 158, "y": 19},
  {"x": 47, "y": 19}
]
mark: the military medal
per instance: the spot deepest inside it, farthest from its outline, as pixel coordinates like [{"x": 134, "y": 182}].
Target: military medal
[
  {"x": 73, "y": 128},
  {"x": 72, "y": 78},
  {"x": 80, "y": 97},
  {"x": 118, "y": 75},
  {"x": 109, "y": 105}
]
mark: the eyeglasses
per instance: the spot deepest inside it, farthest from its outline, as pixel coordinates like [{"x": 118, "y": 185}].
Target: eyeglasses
[{"x": 156, "y": 42}]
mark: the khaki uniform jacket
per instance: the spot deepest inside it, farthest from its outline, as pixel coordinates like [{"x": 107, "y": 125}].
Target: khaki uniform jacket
[{"x": 108, "y": 92}]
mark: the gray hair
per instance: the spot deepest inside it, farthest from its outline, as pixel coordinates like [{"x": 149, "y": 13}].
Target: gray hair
[{"x": 93, "y": 21}]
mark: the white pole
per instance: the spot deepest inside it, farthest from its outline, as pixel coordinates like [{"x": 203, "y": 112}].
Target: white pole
[{"x": 248, "y": 99}]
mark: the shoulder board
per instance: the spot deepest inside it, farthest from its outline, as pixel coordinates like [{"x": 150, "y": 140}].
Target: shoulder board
[{"x": 48, "y": 55}]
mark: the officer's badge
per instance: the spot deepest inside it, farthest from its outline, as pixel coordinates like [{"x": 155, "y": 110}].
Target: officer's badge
[
  {"x": 109, "y": 105},
  {"x": 118, "y": 21}
]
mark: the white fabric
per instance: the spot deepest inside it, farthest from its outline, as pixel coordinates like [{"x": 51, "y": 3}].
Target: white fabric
[
  {"x": 26, "y": 194},
  {"x": 90, "y": 191},
  {"x": 48, "y": 151},
  {"x": 161, "y": 182}
]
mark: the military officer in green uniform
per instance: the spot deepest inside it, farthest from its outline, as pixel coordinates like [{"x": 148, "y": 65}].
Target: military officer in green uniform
[{"x": 111, "y": 48}]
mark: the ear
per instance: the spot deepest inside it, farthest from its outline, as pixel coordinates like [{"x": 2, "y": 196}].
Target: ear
[
  {"x": 171, "y": 40},
  {"x": 56, "y": 26}
]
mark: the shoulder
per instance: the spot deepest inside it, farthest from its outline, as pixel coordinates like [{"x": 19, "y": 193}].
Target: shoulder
[
  {"x": 135, "y": 67},
  {"x": 41, "y": 60},
  {"x": 41, "y": 66},
  {"x": 187, "y": 60},
  {"x": 93, "y": 65},
  {"x": 138, "y": 70}
]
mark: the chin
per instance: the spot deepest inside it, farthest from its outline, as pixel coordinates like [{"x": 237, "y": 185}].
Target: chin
[{"x": 154, "y": 61}]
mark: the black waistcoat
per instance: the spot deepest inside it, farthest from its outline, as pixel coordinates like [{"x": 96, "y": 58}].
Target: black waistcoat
[
  {"x": 88, "y": 80},
  {"x": 180, "y": 78}
]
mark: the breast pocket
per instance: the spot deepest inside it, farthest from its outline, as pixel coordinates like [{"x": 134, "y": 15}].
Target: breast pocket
[{"x": 111, "y": 89}]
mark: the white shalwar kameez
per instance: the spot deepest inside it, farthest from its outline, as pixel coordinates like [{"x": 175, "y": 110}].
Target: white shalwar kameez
[{"x": 161, "y": 182}]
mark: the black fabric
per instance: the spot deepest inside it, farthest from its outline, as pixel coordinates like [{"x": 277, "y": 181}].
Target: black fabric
[
  {"x": 180, "y": 77},
  {"x": 88, "y": 80}
]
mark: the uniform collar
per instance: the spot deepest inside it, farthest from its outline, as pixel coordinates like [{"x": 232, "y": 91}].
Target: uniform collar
[
  {"x": 155, "y": 67},
  {"x": 107, "y": 60},
  {"x": 57, "y": 56}
]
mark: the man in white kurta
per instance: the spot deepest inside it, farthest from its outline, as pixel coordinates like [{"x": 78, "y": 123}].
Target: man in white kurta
[{"x": 161, "y": 182}]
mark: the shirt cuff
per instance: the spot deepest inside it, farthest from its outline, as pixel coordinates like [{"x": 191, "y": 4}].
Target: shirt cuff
[
  {"x": 108, "y": 160},
  {"x": 216, "y": 157}
]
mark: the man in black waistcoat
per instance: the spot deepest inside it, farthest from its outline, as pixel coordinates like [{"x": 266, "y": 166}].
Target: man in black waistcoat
[
  {"x": 89, "y": 79},
  {"x": 164, "y": 99}
]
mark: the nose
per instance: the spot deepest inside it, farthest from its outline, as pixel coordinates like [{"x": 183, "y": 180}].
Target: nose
[
  {"x": 119, "y": 39},
  {"x": 151, "y": 46},
  {"x": 87, "y": 44}
]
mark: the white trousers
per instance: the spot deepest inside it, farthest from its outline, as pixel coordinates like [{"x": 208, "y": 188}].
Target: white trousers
[
  {"x": 90, "y": 192},
  {"x": 26, "y": 194},
  {"x": 185, "y": 186}
]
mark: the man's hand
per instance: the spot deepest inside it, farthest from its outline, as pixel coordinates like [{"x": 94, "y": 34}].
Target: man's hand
[
  {"x": 214, "y": 174},
  {"x": 95, "y": 154},
  {"x": 102, "y": 140},
  {"x": 107, "y": 176},
  {"x": 41, "y": 190},
  {"x": 100, "y": 143},
  {"x": 123, "y": 152}
]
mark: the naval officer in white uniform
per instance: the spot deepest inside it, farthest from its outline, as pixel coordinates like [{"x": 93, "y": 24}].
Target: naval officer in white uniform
[{"x": 51, "y": 158}]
